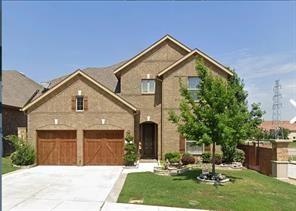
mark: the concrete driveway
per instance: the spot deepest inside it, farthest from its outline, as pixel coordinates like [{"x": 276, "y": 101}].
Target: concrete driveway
[{"x": 58, "y": 188}]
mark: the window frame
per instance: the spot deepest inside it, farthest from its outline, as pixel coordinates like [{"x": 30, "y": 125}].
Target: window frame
[
  {"x": 202, "y": 147},
  {"x": 192, "y": 89},
  {"x": 148, "y": 88},
  {"x": 82, "y": 97}
]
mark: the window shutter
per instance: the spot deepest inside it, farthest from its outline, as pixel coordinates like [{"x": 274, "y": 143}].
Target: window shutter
[
  {"x": 85, "y": 102},
  {"x": 73, "y": 103},
  {"x": 182, "y": 144}
]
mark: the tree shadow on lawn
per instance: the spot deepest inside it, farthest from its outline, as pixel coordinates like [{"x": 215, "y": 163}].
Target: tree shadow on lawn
[{"x": 192, "y": 174}]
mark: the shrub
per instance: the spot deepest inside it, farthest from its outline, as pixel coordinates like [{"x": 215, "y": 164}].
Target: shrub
[
  {"x": 187, "y": 159},
  {"x": 239, "y": 156},
  {"x": 206, "y": 157},
  {"x": 130, "y": 155},
  {"x": 173, "y": 157},
  {"x": 218, "y": 159},
  {"x": 24, "y": 153}
]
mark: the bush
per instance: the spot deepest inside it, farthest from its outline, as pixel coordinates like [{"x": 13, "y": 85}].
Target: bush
[
  {"x": 239, "y": 156},
  {"x": 172, "y": 157},
  {"x": 187, "y": 159},
  {"x": 130, "y": 148},
  {"x": 24, "y": 153},
  {"x": 218, "y": 159},
  {"x": 206, "y": 157}
]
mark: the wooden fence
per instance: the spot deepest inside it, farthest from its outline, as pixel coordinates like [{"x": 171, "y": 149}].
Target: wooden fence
[{"x": 258, "y": 158}]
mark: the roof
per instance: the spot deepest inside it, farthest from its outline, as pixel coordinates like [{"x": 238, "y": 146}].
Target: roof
[
  {"x": 165, "y": 38},
  {"x": 94, "y": 81},
  {"x": 17, "y": 88},
  {"x": 268, "y": 125},
  {"x": 193, "y": 53},
  {"x": 104, "y": 75}
]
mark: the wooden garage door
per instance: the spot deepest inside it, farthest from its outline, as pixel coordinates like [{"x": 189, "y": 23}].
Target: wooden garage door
[
  {"x": 103, "y": 147},
  {"x": 57, "y": 147}
]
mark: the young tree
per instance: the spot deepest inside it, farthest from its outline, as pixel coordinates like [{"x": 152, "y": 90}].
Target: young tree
[{"x": 219, "y": 116}]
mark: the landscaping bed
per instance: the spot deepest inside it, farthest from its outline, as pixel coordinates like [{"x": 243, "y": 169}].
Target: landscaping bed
[{"x": 248, "y": 190}]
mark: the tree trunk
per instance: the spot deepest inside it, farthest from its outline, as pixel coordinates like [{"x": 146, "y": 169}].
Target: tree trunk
[{"x": 213, "y": 158}]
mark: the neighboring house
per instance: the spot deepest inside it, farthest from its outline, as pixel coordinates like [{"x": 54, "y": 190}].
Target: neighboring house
[
  {"x": 269, "y": 125},
  {"x": 83, "y": 117},
  {"x": 17, "y": 90}
]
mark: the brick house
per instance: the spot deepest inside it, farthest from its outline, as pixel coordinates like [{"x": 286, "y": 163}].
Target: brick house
[
  {"x": 83, "y": 117},
  {"x": 18, "y": 89}
]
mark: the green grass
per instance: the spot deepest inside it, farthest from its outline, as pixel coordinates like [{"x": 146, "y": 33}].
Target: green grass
[
  {"x": 248, "y": 190},
  {"x": 7, "y": 165},
  {"x": 292, "y": 145}
]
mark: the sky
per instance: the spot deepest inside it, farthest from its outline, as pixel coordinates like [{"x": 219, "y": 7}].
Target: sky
[{"x": 48, "y": 39}]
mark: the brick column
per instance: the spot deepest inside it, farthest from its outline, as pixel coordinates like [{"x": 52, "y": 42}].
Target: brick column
[
  {"x": 80, "y": 147},
  {"x": 280, "y": 158}
]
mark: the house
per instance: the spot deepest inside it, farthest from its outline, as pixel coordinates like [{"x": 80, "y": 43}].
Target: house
[
  {"x": 18, "y": 89},
  {"x": 83, "y": 117},
  {"x": 270, "y": 125}
]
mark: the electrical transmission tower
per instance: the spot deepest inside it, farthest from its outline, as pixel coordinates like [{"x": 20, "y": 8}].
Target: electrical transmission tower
[{"x": 276, "y": 108}]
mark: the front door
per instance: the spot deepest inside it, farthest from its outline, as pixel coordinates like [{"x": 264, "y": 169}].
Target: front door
[{"x": 148, "y": 141}]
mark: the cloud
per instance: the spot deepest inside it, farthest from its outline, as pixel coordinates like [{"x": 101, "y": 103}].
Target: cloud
[
  {"x": 260, "y": 72},
  {"x": 251, "y": 66}
]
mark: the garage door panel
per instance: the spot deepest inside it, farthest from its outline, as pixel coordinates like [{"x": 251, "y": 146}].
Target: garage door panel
[
  {"x": 56, "y": 148},
  {"x": 103, "y": 147},
  {"x": 68, "y": 152}
]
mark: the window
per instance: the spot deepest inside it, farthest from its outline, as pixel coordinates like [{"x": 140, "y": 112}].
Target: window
[
  {"x": 148, "y": 86},
  {"x": 192, "y": 148},
  {"x": 79, "y": 103},
  {"x": 193, "y": 82}
]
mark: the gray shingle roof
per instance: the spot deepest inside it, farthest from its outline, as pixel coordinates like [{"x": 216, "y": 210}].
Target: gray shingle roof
[
  {"x": 103, "y": 75},
  {"x": 17, "y": 88}
]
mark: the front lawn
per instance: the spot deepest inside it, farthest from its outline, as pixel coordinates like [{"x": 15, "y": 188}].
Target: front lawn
[
  {"x": 248, "y": 190},
  {"x": 7, "y": 165},
  {"x": 292, "y": 144}
]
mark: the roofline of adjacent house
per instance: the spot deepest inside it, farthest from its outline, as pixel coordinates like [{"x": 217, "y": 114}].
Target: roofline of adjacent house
[
  {"x": 116, "y": 71},
  {"x": 195, "y": 51},
  {"x": 68, "y": 78}
]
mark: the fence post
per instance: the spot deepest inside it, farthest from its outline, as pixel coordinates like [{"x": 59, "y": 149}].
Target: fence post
[{"x": 280, "y": 158}]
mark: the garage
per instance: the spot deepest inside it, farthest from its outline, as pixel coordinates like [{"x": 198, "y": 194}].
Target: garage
[
  {"x": 103, "y": 147},
  {"x": 56, "y": 147}
]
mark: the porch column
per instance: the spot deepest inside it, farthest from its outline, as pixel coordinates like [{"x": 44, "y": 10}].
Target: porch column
[{"x": 280, "y": 158}]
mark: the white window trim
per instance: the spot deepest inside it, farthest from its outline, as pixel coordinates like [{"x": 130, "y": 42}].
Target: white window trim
[
  {"x": 203, "y": 147},
  {"x": 191, "y": 89},
  {"x": 82, "y": 103},
  {"x": 148, "y": 86}
]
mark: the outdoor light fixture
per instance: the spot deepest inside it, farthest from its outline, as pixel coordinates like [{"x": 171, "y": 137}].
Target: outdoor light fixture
[
  {"x": 103, "y": 121},
  {"x": 79, "y": 92},
  {"x": 56, "y": 121},
  {"x": 148, "y": 118}
]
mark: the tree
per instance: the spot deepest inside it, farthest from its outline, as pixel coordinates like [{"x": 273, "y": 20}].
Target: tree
[{"x": 219, "y": 116}]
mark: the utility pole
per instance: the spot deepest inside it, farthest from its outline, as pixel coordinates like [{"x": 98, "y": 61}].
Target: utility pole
[{"x": 276, "y": 108}]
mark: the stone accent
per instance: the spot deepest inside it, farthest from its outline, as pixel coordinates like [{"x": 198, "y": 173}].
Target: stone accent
[{"x": 280, "y": 158}]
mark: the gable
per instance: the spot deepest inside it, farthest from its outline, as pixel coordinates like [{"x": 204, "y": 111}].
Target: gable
[
  {"x": 210, "y": 62},
  {"x": 60, "y": 89},
  {"x": 173, "y": 43}
]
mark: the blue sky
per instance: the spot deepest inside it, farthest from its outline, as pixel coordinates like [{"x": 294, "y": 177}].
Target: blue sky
[{"x": 48, "y": 39}]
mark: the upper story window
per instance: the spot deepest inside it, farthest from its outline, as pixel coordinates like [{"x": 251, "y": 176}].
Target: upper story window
[
  {"x": 148, "y": 86},
  {"x": 79, "y": 103},
  {"x": 193, "y": 82}
]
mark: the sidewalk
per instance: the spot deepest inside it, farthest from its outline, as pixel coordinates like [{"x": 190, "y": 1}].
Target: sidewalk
[{"x": 110, "y": 206}]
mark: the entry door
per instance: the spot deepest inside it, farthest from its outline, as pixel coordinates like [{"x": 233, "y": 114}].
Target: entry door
[{"x": 148, "y": 141}]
